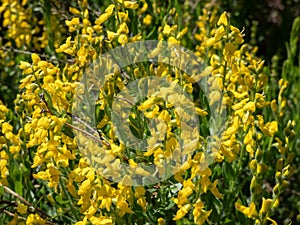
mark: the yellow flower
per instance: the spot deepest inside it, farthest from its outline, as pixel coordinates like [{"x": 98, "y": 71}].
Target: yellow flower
[
  {"x": 35, "y": 219},
  {"x": 249, "y": 137},
  {"x": 229, "y": 51},
  {"x": 123, "y": 15},
  {"x": 6, "y": 128},
  {"x": 248, "y": 211},
  {"x": 74, "y": 11},
  {"x": 165, "y": 116},
  {"x": 250, "y": 106},
  {"x": 147, "y": 20},
  {"x": 123, "y": 29},
  {"x": 161, "y": 221},
  {"x": 205, "y": 182},
  {"x": 123, "y": 39},
  {"x": 142, "y": 202},
  {"x": 41, "y": 175},
  {"x": 209, "y": 42},
  {"x": 270, "y": 128},
  {"x": 223, "y": 20},
  {"x": 172, "y": 40},
  {"x": 102, "y": 220},
  {"x": 139, "y": 191},
  {"x": 84, "y": 187},
  {"x": 182, "y": 212},
  {"x": 123, "y": 206},
  {"x": 21, "y": 208},
  {"x": 201, "y": 112},
  {"x": 182, "y": 33},
  {"x": 35, "y": 58},
  {"x": 111, "y": 35},
  {"x": 266, "y": 205},
  {"x": 103, "y": 17},
  {"x": 73, "y": 24},
  {"x": 54, "y": 176},
  {"x": 146, "y": 104},
  {"x": 24, "y": 65},
  {"x": 130, "y": 4},
  {"x": 220, "y": 32},
  {"x": 215, "y": 190},
  {"x": 200, "y": 215},
  {"x": 167, "y": 30},
  {"x": 43, "y": 123}
]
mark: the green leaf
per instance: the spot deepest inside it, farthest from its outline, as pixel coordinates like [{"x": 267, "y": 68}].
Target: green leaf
[
  {"x": 19, "y": 187},
  {"x": 60, "y": 200},
  {"x": 1, "y": 190},
  {"x": 228, "y": 172}
]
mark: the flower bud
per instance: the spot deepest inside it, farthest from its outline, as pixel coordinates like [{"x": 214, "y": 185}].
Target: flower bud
[
  {"x": 291, "y": 124},
  {"x": 258, "y": 189},
  {"x": 253, "y": 165},
  {"x": 136, "y": 72},
  {"x": 261, "y": 168},
  {"x": 161, "y": 221},
  {"x": 279, "y": 164},
  {"x": 274, "y": 106},
  {"x": 292, "y": 135},
  {"x": 278, "y": 175},
  {"x": 244, "y": 49},
  {"x": 284, "y": 184},
  {"x": 276, "y": 189},
  {"x": 253, "y": 184},
  {"x": 275, "y": 203},
  {"x": 258, "y": 154},
  {"x": 266, "y": 206},
  {"x": 288, "y": 172},
  {"x": 290, "y": 157},
  {"x": 286, "y": 131},
  {"x": 283, "y": 104},
  {"x": 260, "y": 66}
]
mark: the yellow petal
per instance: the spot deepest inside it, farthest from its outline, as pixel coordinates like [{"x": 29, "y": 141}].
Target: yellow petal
[
  {"x": 110, "y": 9},
  {"x": 35, "y": 58},
  {"x": 250, "y": 106},
  {"x": 182, "y": 212},
  {"x": 223, "y": 20},
  {"x": 272, "y": 221},
  {"x": 209, "y": 42},
  {"x": 21, "y": 208},
  {"x": 131, "y": 5},
  {"x": 248, "y": 211}
]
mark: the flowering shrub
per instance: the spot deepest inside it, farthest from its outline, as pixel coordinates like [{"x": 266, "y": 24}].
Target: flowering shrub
[{"x": 235, "y": 177}]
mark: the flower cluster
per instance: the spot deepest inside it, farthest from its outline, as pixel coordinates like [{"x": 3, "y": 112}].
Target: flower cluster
[{"x": 223, "y": 174}]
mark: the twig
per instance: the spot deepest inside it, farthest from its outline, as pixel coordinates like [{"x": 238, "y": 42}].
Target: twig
[
  {"x": 84, "y": 123},
  {"x": 295, "y": 192},
  {"x": 41, "y": 55},
  {"x": 125, "y": 100},
  {"x": 12, "y": 214},
  {"x": 23, "y": 218},
  {"x": 42, "y": 99},
  {"x": 88, "y": 134},
  {"x": 9, "y": 191},
  {"x": 8, "y": 204}
]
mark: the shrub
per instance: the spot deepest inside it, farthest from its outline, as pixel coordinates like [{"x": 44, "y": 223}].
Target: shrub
[{"x": 231, "y": 175}]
